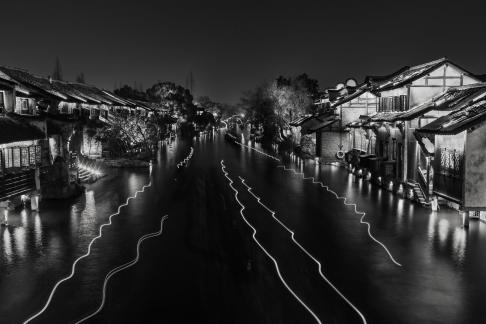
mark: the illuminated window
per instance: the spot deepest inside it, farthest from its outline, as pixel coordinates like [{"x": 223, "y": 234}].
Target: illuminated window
[
  {"x": 24, "y": 106},
  {"x": 2, "y": 101},
  {"x": 32, "y": 155},
  {"x": 7, "y": 155},
  {"x": 24, "y": 156},
  {"x": 38, "y": 154},
  {"x": 16, "y": 157}
]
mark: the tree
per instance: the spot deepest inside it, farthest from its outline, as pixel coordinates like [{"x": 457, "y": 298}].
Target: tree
[
  {"x": 80, "y": 78},
  {"x": 57, "y": 74},
  {"x": 259, "y": 107},
  {"x": 175, "y": 98},
  {"x": 274, "y": 105},
  {"x": 290, "y": 102},
  {"x": 131, "y": 134},
  {"x": 130, "y": 93}
]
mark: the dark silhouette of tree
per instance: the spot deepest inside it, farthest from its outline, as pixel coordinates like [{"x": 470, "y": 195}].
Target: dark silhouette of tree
[
  {"x": 80, "y": 78},
  {"x": 175, "y": 98},
  {"x": 130, "y": 93},
  {"x": 57, "y": 74}
]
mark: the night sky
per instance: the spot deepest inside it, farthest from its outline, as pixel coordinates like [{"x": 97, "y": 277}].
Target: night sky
[{"x": 230, "y": 46}]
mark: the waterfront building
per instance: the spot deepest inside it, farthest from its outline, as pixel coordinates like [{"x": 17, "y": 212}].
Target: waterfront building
[
  {"x": 458, "y": 157},
  {"x": 383, "y": 144}
]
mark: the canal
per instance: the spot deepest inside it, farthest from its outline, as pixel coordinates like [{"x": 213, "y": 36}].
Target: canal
[{"x": 247, "y": 240}]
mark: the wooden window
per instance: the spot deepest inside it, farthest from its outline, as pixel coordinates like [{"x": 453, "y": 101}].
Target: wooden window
[
  {"x": 16, "y": 157},
  {"x": 2, "y": 101},
  {"x": 38, "y": 158},
  {"x": 7, "y": 155},
  {"x": 24, "y": 106},
  {"x": 24, "y": 156},
  {"x": 32, "y": 155},
  {"x": 394, "y": 103}
]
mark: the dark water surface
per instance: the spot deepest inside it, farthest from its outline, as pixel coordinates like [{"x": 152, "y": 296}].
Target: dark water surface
[{"x": 205, "y": 267}]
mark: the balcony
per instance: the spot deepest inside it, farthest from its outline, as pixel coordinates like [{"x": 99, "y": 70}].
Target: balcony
[{"x": 393, "y": 104}]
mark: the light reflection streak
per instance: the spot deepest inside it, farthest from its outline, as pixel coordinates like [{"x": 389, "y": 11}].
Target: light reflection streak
[
  {"x": 292, "y": 235},
  {"x": 73, "y": 268},
  {"x": 459, "y": 243},
  {"x": 344, "y": 199},
  {"x": 123, "y": 267},
  {"x": 223, "y": 168},
  {"x": 443, "y": 230},
  {"x": 252, "y": 148},
  {"x": 7, "y": 243},
  {"x": 184, "y": 162},
  {"x": 38, "y": 229},
  {"x": 19, "y": 235}
]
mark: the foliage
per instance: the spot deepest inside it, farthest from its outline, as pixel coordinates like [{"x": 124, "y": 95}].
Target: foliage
[
  {"x": 175, "y": 98},
  {"x": 273, "y": 106},
  {"x": 130, "y": 93},
  {"x": 130, "y": 134},
  {"x": 80, "y": 78}
]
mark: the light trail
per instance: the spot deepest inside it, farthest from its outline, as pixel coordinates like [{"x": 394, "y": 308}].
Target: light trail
[
  {"x": 73, "y": 268},
  {"x": 292, "y": 235},
  {"x": 123, "y": 267},
  {"x": 252, "y": 148},
  {"x": 344, "y": 199},
  {"x": 223, "y": 168},
  {"x": 184, "y": 162}
]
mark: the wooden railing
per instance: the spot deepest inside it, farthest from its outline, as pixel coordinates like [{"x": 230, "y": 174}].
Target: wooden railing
[{"x": 16, "y": 184}]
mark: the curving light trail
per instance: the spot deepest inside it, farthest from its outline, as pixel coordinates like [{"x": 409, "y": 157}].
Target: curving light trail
[
  {"x": 252, "y": 148},
  {"x": 292, "y": 235},
  {"x": 123, "y": 267},
  {"x": 223, "y": 168},
  {"x": 344, "y": 199},
  {"x": 184, "y": 162},
  {"x": 73, "y": 268}
]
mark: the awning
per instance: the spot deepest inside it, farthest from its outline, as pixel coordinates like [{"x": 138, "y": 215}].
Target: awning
[
  {"x": 12, "y": 130},
  {"x": 425, "y": 143},
  {"x": 322, "y": 125}
]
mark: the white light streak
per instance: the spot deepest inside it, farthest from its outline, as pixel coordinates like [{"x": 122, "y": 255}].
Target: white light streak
[
  {"x": 184, "y": 162},
  {"x": 292, "y": 235},
  {"x": 344, "y": 199},
  {"x": 223, "y": 168},
  {"x": 252, "y": 148},
  {"x": 73, "y": 268},
  {"x": 123, "y": 267},
  {"x": 356, "y": 211}
]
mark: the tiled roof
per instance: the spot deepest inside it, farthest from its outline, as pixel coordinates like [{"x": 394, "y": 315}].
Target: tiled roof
[
  {"x": 451, "y": 99},
  {"x": 408, "y": 75},
  {"x": 458, "y": 120},
  {"x": 301, "y": 120},
  {"x": 385, "y": 116},
  {"x": 65, "y": 91},
  {"x": 348, "y": 97},
  {"x": 38, "y": 83},
  {"x": 12, "y": 130}
]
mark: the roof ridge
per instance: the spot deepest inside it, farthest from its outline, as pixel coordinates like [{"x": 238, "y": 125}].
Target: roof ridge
[{"x": 434, "y": 62}]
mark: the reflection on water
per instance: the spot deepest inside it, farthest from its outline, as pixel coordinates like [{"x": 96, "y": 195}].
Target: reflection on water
[
  {"x": 7, "y": 245},
  {"x": 443, "y": 231},
  {"x": 37, "y": 229},
  {"x": 19, "y": 239},
  {"x": 459, "y": 241},
  {"x": 431, "y": 226}
]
